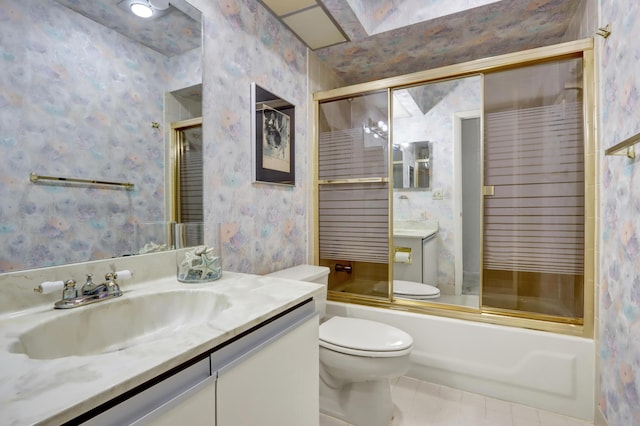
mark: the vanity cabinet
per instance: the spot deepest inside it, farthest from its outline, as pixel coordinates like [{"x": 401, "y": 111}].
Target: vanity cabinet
[
  {"x": 267, "y": 375},
  {"x": 195, "y": 407},
  {"x": 277, "y": 385},
  {"x": 187, "y": 396}
]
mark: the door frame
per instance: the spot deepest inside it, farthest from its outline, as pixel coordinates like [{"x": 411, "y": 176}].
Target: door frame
[{"x": 457, "y": 191}]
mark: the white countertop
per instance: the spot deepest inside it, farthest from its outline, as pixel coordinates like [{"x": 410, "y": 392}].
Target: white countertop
[
  {"x": 414, "y": 228},
  {"x": 34, "y": 391}
]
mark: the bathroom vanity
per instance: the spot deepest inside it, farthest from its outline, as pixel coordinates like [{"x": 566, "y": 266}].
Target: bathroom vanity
[
  {"x": 240, "y": 350},
  {"x": 417, "y": 241}
]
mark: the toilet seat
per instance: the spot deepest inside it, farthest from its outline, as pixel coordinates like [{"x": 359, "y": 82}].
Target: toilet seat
[
  {"x": 415, "y": 290},
  {"x": 359, "y": 337}
]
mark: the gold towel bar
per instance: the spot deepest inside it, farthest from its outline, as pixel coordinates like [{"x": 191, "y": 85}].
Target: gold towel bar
[
  {"x": 33, "y": 177},
  {"x": 625, "y": 147},
  {"x": 354, "y": 180}
]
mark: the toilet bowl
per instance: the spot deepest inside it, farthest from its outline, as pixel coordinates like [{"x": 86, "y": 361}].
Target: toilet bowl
[{"x": 357, "y": 360}]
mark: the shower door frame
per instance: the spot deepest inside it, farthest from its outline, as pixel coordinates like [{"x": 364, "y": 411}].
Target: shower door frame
[{"x": 574, "y": 49}]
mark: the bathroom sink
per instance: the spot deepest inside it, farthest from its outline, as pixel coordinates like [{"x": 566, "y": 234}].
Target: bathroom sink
[
  {"x": 120, "y": 323},
  {"x": 416, "y": 229}
]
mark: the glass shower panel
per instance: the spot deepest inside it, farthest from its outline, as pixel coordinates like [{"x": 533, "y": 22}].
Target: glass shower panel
[
  {"x": 353, "y": 194},
  {"x": 534, "y": 220}
]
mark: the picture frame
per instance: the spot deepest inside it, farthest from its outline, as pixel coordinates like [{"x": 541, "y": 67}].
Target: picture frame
[{"x": 273, "y": 134}]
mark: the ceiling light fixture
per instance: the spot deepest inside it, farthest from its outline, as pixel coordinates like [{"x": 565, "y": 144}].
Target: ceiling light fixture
[
  {"x": 146, "y": 8},
  {"x": 142, "y": 10},
  {"x": 378, "y": 129}
]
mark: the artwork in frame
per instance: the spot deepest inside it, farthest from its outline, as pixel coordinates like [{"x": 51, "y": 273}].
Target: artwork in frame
[{"x": 273, "y": 132}]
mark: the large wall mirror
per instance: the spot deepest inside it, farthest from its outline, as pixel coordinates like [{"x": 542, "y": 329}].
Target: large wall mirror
[{"x": 89, "y": 91}]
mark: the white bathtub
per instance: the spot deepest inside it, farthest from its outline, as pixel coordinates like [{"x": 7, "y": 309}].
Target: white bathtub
[{"x": 545, "y": 370}]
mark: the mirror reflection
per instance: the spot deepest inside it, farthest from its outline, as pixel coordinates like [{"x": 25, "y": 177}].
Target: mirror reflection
[
  {"x": 433, "y": 131},
  {"x": 412, "y": 165},
  {"x": 83, "y": 96}
]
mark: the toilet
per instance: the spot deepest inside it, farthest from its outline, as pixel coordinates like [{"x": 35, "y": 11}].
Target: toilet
[
  {"x": 412, "y": 290},
  {"x": 358, "y": 358}
]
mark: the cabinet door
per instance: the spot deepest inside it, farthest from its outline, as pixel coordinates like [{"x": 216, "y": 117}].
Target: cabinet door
[
  {"x": 197, "y": 407},
  {"x": 188, "y": 397},
  {"x": 277, "y": 385}
]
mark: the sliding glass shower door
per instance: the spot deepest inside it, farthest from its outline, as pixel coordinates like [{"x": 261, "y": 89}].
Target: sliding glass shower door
[
  {"x": 353, "y": 193},
  {"x": 534, "y": 204}
]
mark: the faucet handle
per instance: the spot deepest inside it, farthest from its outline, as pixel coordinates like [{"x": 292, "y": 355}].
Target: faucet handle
[
  {"x": 112, "y": 286},
  {"x": 68, "y": 288},
  {"x": 47, "y": 287},
  {"x": 124, "y": 274}
]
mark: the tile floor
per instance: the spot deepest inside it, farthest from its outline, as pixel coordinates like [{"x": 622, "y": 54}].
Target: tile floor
[{"x": 420, "y": 403}]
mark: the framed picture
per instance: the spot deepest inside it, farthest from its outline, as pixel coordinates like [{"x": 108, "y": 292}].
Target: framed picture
[{"x": 273, "y": 130}]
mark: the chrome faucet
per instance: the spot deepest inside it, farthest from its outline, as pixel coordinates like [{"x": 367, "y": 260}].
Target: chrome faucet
[{"x": 90, "y": 292}]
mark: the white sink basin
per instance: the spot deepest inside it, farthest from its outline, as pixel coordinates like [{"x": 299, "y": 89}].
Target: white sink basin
[{"x": 120, "y": 323}]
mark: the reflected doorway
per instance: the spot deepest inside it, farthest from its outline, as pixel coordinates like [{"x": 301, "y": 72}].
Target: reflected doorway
[
  {"x": 471, "y": 204},
  {"x": 187, "y": 168}
]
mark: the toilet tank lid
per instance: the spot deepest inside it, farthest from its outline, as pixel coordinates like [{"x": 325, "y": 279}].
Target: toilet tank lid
[{"x": 302, "y": 273}]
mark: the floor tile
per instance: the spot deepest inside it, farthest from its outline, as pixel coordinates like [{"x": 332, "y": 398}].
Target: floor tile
[
  {"x": 419, "y": 403},
  {"x": 552, "y": 419},
  {"x": 498, "y": 405},
  {"x": 330, "y": 421},
  {"x": 450, "y": 394},
  {"x": 525, "y": 414}
]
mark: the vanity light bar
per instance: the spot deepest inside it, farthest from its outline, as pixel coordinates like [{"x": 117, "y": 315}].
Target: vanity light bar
[{"x": 33, "y": 177}]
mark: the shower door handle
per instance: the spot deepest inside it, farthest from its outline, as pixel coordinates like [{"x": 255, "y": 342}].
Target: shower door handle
[{"x": 489, "y": 190}]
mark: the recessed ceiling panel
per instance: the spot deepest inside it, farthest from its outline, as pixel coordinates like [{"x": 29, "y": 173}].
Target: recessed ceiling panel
[
  {"x": 284, "y": 7},
  {"x": 315, "y": 28}
]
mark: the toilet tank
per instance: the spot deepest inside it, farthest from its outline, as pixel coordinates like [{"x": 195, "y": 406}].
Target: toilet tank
[
  {"x": 311, "y": 274},
  {"x": 308, "y": 273}
]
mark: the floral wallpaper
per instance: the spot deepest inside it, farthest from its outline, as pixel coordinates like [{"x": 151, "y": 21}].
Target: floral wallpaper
[
  {"x": 379, "y": 16},
  {"x": 489, "y": 30},
  {"x": 77, "y": 100},
  {"x": 171, "y": 33},
  {"x": 619, "y": 293},
  {"x": 260, "y": 227},
  {"x": 436, "y": 126}
]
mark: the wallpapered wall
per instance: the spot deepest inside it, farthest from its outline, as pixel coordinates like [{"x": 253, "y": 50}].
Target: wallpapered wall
[
  {"x": 437, "y": 126},
  {"x": 619, "y": 309},
  {"x": 262, "y": 227},
  {"x": 74, "y": 102}
]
